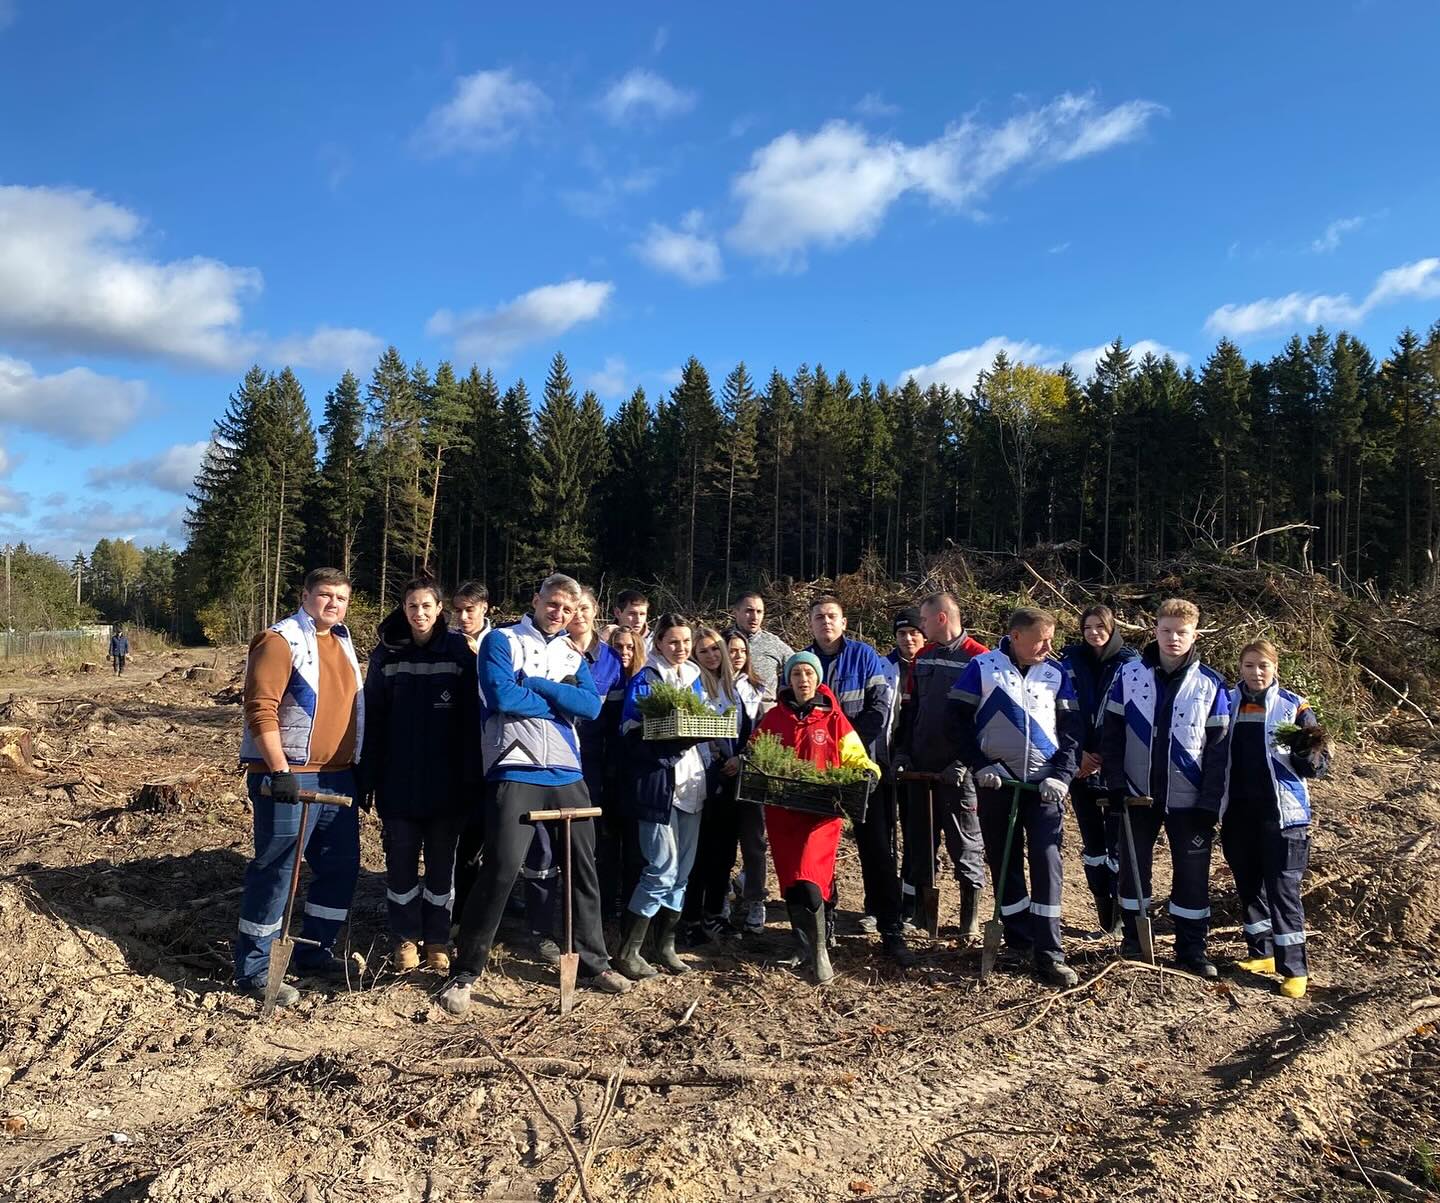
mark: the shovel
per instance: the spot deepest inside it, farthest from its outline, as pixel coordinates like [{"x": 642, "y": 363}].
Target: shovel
[
  {"x": 995, "y": 925},
  {"x": 569, "y": 959},
  {"x": 282, "y": 948},
  {"x": 927, "y": 896},
  {"x": 1144, "y": 932}
]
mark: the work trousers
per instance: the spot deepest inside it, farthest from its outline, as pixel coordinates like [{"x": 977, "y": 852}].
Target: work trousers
[
  {"x": 957, "y": 821},
  {"x": 669, "y": 851},
  {"x": 709, "y": 881},
  {"x": 541, "y": 875},
  {"x": 1031, "y": 916},
  {"x": 1099, "y": 839},
  {"x": 331, "y": 843},
  {"x": 467, "y": 854},
  {"x": 1268, "y": 864},
  {"x": 1191, "y": 834},
  {"x": 507, "y": 839},
  {"x": 119, "y": 665},
  {"x": 419, "y": 909},
  {"x": 875, "y": 841}
]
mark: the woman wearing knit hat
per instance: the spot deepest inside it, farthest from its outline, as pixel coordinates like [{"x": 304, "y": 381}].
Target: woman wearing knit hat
[{"x": 808, "y": 720}]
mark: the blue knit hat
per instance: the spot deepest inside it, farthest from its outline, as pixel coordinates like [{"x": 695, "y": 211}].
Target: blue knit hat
[{"x": 809, "y": 658}]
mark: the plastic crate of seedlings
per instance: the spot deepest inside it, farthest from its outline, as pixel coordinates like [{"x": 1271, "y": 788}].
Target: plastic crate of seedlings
[
  {"x": 772, "y": 775},
  {"x": 669, "y": 712}
]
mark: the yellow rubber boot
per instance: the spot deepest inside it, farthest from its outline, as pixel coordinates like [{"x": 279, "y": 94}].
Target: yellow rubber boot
[
  {"x": 1294, "y": 987},
  {"x": 1257, "y": 964}
]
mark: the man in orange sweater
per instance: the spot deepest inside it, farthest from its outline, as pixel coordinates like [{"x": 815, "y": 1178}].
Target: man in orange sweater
[{"x": 304, "y": 723}]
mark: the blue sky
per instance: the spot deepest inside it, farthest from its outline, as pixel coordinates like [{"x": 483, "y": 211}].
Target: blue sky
[{"x": 186, "y": 189}]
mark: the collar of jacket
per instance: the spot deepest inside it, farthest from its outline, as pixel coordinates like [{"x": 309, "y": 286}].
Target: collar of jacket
[
  {"x": 395, "y": 632},
  {"x": 529, "y": 620},
  {"x": 1259, "y": 699},
  {"x": 823, "y": 700},
  {"x": 1105, "y": 654},
  {"x": 684, "y": 674},
  {"x": 1150, "y": 657}
]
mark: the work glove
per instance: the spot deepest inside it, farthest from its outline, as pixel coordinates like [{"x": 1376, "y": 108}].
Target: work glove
[
  {"x": 901, "y": 763},
  {"x": 988, "y": 779},
  {"x": 284, "y": 787},
  {"x": 1053, "y": 790},
  {"x": 954, "y": 774}
]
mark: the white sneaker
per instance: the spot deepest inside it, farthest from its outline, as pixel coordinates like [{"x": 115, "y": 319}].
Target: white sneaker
[{"x": 755, "y": 917}]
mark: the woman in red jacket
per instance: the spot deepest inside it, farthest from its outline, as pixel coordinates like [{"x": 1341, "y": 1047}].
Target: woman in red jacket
[{"x": 808, "y": 720}]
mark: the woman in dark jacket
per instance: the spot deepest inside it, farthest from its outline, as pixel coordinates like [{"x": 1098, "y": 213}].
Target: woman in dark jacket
[
  {"x": 1093, "y": 663},
  {"x": 421, "y": 701}
]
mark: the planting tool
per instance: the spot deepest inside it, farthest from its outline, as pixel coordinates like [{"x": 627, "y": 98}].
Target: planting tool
[
  {"x": 927, "y": 895},
  {"x": 995, "y": 925},
  {"x": 569, "y": 959},
  {"x": 282, "y": 948},
  {"x": 1144, "y": 931}
]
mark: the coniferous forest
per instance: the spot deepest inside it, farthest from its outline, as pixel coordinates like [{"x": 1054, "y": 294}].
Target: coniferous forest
[{"x": 1329, "y": 452}]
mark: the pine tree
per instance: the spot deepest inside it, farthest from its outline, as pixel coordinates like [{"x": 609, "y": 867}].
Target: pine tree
[
  {"x": 558, "y": 477},
  {"x": 741, "y": 408},
  {"x": 392, "y": 463},
  {"x": 1224, "y": 405},
  {"x": 343, "y": 490},
  {"x": 627, "y": 539},
  {"x": 515, "y": 485}
]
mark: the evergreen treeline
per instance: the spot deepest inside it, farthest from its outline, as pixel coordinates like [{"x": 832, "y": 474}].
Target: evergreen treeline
[{"x": 804, "y": 475}]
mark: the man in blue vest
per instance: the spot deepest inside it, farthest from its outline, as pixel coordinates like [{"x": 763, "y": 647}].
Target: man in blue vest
[
  {"x": 1019, "y": 722},
  {"x": 1166, "y": 723},
  {"x": 861, "y": 683},
  {"x": 534, "y": 687},
  {"x": 304, "y": 728}
]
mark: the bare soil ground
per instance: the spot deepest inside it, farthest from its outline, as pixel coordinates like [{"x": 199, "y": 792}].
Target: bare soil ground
[{"x": 129, "y": 1071}]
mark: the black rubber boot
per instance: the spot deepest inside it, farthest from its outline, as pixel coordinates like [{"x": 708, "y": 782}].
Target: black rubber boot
[
  {"x": 969, "y": 912},
  {"x": 1108, "y": 913},
  {"x": 809, "y": 929},
  {"x": 829, "y": 925},
  {"x": 896, "y": 949},
  {"x": 666, "y": 923},
  {"x": 632, "y": 936}
]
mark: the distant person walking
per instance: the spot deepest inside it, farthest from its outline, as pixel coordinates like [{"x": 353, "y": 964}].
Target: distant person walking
[{"x": 119, "y": 649}]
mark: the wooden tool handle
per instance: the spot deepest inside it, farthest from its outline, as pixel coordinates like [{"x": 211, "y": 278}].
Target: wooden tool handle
[
  {"x": 552, "y": 816},
  {"x": 1140, "y": 801},
  {"x": 314, "y": 795}
]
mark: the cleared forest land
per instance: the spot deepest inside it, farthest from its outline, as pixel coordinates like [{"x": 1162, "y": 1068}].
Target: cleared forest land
[{"x": 130, "y": 1071}]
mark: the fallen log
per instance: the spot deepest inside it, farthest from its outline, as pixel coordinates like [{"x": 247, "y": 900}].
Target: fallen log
[{"x": 715, "y": 1074}]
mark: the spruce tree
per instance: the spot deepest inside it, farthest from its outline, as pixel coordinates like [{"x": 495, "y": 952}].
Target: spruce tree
[
  {"x": 557, "y": 473},
  {"x": 343, "y": 490}
]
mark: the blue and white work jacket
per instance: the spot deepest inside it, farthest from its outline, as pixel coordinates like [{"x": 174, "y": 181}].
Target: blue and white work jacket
[
  {"x": 1026, "y": 725},
  {"x": 1292, "y": 798}
]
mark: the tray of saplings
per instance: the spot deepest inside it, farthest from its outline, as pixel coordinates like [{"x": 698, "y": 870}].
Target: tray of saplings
[
  {"x": 669, "y": 712},
  {"x": 772, "y": 775}
]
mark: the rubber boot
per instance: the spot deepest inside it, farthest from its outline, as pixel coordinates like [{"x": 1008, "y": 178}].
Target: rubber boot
[
  {"x": 830, "y": 925},
  {"x": 666, "y": 921},
  {"x": 1105, "y": 912},
  {"x": 969, "y": 913},
  {"x": 628, "y": 960},
  {"x": 1257, "y": 964},
  {"x": 809, "y": 927},
  {"x": 1294, "y": 987}
]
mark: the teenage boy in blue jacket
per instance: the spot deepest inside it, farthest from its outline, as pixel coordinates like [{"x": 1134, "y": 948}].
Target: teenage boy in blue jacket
[{"x": 534, "y": 688}]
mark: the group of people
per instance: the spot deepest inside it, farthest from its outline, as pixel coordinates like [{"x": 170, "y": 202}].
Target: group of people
[{"x": 459, "y": 730}]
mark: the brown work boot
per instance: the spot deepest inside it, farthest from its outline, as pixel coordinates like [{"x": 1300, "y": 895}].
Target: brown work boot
[
  {"x": 437, "y": 959},
  {"x": 406, "y": 956}
]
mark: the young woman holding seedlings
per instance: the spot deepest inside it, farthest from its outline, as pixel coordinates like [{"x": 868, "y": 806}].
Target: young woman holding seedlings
[
  {"x": 709, "y": 888},
  {"x": 663, "y": 790},
  {"x": 1275, "y": 744},
  {"x": 808, "y": 720}
]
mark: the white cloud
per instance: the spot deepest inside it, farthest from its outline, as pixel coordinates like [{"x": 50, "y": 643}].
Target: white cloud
[
  {"x": 610, "y": 381},
  {"x": 960, "y": 369},
  {"x": 1334, "y": 232},
  {"x": 329, "y": 347},
  {"x": 1059, "y": 248},
  {"x": 12, "y": 502},
  {"x": 874, "y": 105},
  {"x": 540, "y": 313},
  {"x": 685, "y": 253},
  {"x": 77, "y": 406},
  {"x": 172, "y": 470},
  {"x": 487, "y": 111},
  {"x": 837, "y": 184},
  {"x": 71, "y": 275},
  {"x": 641, "y": 93},
  {"x": 1410, "y": 281},
  {"x": 609, "y": 192}
]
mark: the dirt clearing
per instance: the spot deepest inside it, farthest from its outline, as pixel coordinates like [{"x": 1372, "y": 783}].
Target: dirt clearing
[{"x": 129, "y": 1070}]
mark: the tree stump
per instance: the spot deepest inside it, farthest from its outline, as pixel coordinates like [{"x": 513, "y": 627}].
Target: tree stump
[
  {"x": 89, "y": 667},
  {"x": 168, "y": 797},
  {"x": 17, "y": 749},
  {"x": 201, "y": 672}
]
